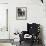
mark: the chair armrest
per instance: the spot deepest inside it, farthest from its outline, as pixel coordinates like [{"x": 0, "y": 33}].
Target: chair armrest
[
  {"x": 24, "y": 32},
  {"x": 22, "y": 35}
]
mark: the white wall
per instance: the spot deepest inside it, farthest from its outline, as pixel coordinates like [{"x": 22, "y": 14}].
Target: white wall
[
  {"x": 3, "y": 1},
  {"x": 35, "y": 13},
  {"x": 3, "y": 21},
  {"x": 4, "y": 34}
]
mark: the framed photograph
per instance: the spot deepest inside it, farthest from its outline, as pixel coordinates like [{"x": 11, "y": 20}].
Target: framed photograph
[{"x": 21, "y": 13}]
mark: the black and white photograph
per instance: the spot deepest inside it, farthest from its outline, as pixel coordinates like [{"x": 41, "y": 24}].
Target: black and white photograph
[
  {"x": 21, "y": 13},
  {"x": 22, "y": 22}
]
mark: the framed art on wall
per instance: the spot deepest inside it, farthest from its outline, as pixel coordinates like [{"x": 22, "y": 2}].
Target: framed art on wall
[{"x": 21, "y": 13}]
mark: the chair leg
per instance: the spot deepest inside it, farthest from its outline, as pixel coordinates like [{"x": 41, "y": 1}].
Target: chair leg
[
  {"x": 20, "y": 42},
  {"x": 32, "y": 42}
]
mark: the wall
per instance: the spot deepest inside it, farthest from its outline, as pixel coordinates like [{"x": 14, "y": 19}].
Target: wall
[
  {"x": 35, "y": 13},
  {"x": 3, "y": 21},
  {"x": 3, "y": 1},
  {"x": 4, "y": 34}
]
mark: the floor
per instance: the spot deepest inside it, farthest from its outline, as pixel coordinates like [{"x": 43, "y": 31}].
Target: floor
[
  {"x": 27, "y": 44},
  {"x": 23, "y": 44},
  {"x": 5, "y": 44}
]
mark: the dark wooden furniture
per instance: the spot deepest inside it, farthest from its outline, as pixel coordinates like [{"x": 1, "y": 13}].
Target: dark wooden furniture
[{"x": 32, "y": 29}]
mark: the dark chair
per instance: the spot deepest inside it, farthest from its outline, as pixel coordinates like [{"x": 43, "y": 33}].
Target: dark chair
[{"x": 32, "y": 29}]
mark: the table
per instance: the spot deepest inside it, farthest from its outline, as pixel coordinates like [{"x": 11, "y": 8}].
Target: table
[{"x": 16, "y": 40}]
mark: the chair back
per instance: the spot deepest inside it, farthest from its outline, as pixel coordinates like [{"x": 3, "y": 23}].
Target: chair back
[{"x": 33, "y": 28}]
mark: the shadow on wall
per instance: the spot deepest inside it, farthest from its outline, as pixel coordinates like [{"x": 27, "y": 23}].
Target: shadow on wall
[{"x": 41, "y": 34}]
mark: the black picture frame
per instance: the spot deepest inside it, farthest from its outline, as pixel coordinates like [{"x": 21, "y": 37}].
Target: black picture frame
[{"x": 21, "y": 13}]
